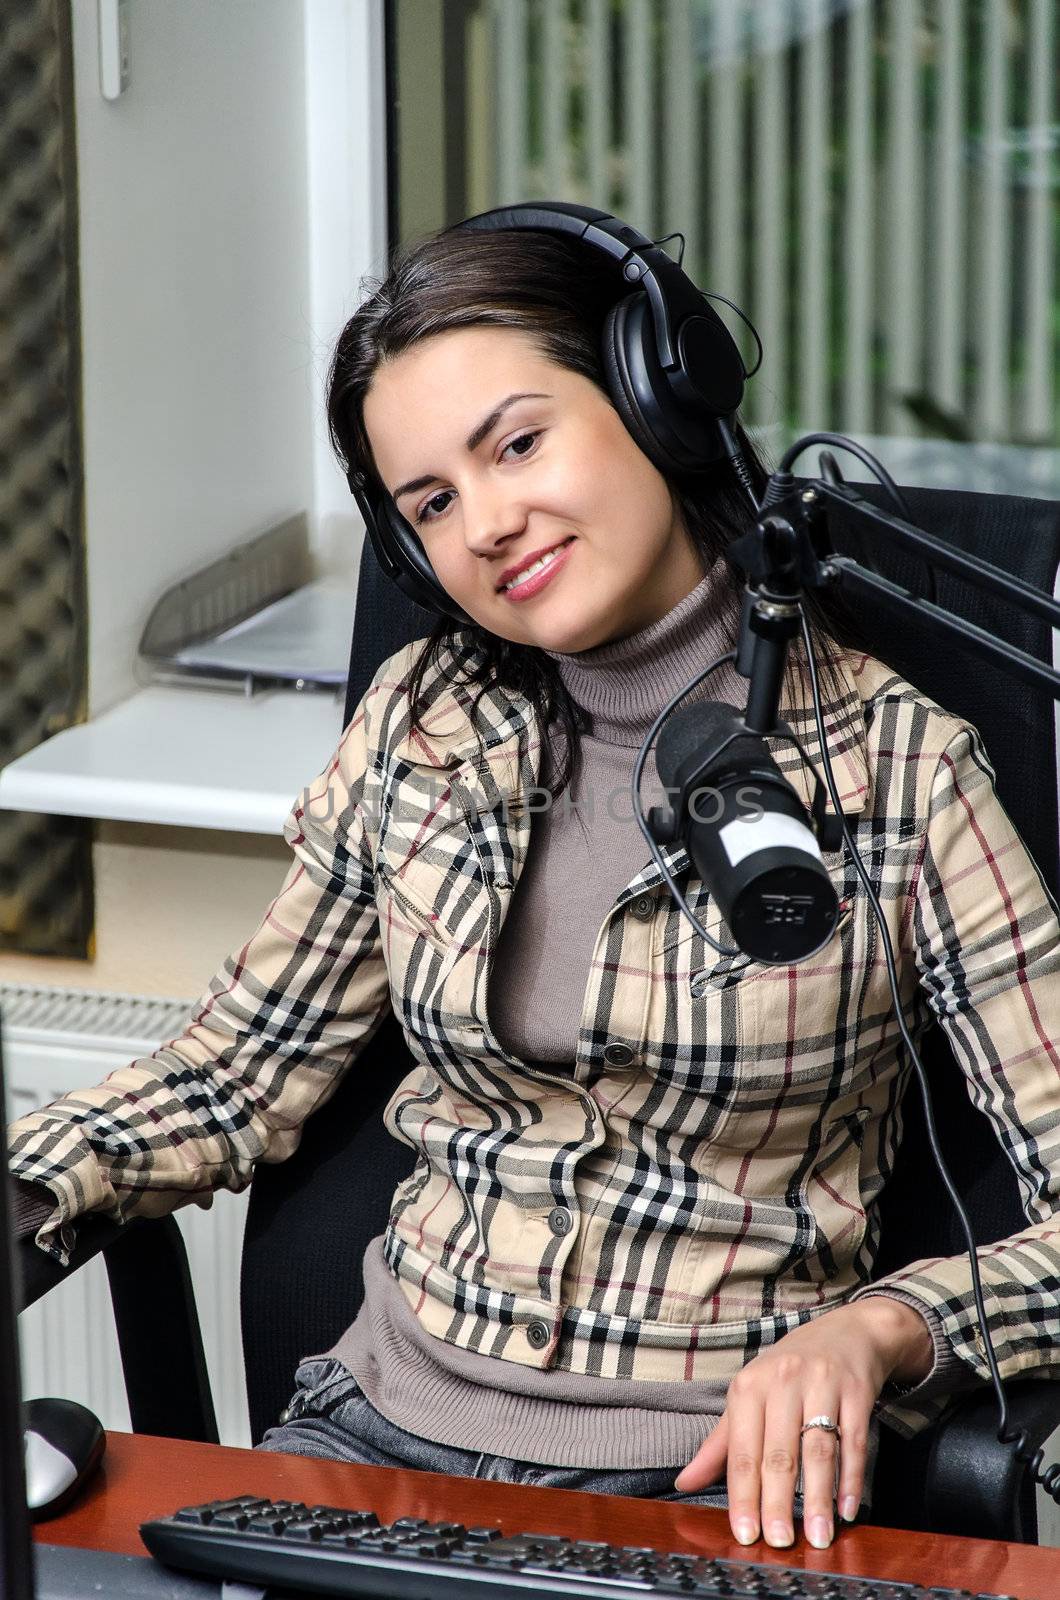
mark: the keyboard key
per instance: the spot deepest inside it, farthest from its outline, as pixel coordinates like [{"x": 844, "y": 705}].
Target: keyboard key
[
  {"x": 271, "y": 1524},
  {"x": 233, "y": 1517}
]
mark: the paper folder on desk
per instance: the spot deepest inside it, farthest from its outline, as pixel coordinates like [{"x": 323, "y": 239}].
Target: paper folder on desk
[{"x": 255, "y": 617}]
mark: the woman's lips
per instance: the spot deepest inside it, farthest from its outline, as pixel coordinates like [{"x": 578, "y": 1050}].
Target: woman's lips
[{"x": 534, "y": 585}]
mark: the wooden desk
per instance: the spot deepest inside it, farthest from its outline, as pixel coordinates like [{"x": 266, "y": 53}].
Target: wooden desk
[{"x": 143, "y": 1478}]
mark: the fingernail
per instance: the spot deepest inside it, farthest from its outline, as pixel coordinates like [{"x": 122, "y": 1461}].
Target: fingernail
[
  {"x": 779, "y": 1533},
  {"x": 745, "y": 1531},
  {"x": 819, "y": 1532},
  {"x": 678, "y": 1485},
  {"x": 848, "y": 1508}
]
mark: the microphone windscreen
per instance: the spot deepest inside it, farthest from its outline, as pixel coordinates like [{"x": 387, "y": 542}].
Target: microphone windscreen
[{"x": 696, "y": 728}]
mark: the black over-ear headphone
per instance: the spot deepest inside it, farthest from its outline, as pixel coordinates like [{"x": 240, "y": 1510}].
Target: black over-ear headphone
[{"x": 673, "y": 370}]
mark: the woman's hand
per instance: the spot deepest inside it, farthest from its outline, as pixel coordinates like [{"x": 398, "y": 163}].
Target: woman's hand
[{"x": 835, "y": 1367}]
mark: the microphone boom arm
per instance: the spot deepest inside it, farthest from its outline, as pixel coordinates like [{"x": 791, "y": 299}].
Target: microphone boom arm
[{"x": 789, "y": 552}]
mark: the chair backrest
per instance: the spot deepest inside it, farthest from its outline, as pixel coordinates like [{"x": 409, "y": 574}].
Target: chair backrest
[
  {"x": 311, "y": 1218},
  {"x": 1018, "y": 726}
]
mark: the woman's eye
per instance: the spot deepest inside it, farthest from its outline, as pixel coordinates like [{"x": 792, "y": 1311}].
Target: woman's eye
[
  {"x": 424, "y": 515},
  {"x": 427, "y": 515},
  {"x": 522, "y": 439}
]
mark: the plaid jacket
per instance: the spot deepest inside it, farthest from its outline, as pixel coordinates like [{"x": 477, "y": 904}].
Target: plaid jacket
[{"x": 716, "y": 1155}]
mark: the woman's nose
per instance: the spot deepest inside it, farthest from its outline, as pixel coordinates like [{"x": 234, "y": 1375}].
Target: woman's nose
[{"x": 491, "y": 516}]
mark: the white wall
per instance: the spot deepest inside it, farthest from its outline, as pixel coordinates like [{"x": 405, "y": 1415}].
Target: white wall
[{"x": 198, "y": 362}]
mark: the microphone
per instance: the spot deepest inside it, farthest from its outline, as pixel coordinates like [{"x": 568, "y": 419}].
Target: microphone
[{"x": 747, "y": 834}]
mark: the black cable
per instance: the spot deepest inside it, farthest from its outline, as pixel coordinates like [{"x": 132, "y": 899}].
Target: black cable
[
  {"x": 711, "y": 294},
  {"x": 739, "y": 463},
  {"x": 1033, "y": 1460},
  {"x": 677, "y": 234},
  {"x": 867, "y": 459}
]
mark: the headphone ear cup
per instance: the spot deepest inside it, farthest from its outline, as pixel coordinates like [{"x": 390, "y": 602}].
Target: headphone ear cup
[
  {"x": 404, "y": 560},
  {"x": 622, "y": 395},
  {"x": 671, "y": 435}
]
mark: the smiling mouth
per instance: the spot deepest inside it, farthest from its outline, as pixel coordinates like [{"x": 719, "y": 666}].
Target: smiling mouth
[{"x": 535, "y": 567}]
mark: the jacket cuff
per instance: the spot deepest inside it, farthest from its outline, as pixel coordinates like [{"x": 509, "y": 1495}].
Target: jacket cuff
[{"x": 899, "y": 1404}]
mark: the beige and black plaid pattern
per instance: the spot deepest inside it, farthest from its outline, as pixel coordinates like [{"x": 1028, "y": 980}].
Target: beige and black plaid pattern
[{"x": 727, "y": 1127}]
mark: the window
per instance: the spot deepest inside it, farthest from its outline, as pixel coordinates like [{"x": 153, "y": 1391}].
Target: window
[{"x": 871, "y": 181}]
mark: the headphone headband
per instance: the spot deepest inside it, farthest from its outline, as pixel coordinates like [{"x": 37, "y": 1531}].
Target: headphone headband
[{"x": 642, "y": 263}]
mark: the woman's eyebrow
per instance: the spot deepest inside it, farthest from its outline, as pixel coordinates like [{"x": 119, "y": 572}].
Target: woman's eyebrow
[{"x": 474, "y": 438}]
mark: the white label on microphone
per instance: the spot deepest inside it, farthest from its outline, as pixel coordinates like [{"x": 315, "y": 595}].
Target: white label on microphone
[{"x": 747, "y": 835}]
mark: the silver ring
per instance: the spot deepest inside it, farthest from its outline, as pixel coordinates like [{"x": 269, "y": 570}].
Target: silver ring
[
  {"x": 820, "y": 1422},
  {"x": 829, "y": 1427}
]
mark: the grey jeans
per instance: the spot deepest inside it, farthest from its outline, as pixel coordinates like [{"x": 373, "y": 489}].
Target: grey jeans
[{"x": 330, "y": 1417}]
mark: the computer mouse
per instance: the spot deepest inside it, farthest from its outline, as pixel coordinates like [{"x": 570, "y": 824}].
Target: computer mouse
[{"x": 64, "y": 1446}]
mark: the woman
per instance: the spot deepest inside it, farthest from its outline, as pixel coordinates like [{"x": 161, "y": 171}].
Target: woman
[{"x": 639, "y": 1234}]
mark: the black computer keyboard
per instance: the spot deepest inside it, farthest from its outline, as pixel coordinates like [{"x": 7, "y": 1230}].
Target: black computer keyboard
[{"x": 326, "y": 1550}]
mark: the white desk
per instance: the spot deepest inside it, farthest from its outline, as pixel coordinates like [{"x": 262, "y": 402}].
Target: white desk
[{"x": 196, "y": 758}]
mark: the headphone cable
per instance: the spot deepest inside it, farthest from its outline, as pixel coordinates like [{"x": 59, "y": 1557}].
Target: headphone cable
[{"x": 739, "y": 462}]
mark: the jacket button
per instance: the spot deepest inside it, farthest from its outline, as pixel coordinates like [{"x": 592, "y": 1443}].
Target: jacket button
[
  {"x": 560, "y": 1221},
  {"x": 642, "y": 907},
  {"x": 618, "y": 1055},
  {"x": 538, "y": 1334}
]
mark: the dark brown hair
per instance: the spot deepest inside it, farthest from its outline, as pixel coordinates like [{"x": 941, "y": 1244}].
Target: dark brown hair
[{"x": 555, "y": 290}]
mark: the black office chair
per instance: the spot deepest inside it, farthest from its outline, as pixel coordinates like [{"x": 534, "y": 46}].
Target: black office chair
[{"x": 311, "y": 1218}]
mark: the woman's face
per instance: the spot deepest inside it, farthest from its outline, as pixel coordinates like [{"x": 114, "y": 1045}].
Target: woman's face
[{"x": 497, "y": 456}]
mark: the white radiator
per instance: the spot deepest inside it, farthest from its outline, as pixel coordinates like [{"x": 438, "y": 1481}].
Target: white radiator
[{"x": 56, "y": 1040}]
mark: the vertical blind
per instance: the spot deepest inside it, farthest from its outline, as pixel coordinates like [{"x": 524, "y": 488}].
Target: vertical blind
[{"x": 871, "y": 179}]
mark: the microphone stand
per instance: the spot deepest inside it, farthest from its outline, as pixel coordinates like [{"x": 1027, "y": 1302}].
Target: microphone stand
[{"x": 789, "y": 552}]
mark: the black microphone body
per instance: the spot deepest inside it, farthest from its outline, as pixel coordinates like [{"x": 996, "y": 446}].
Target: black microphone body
[{"x": 747, "y": 834}]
